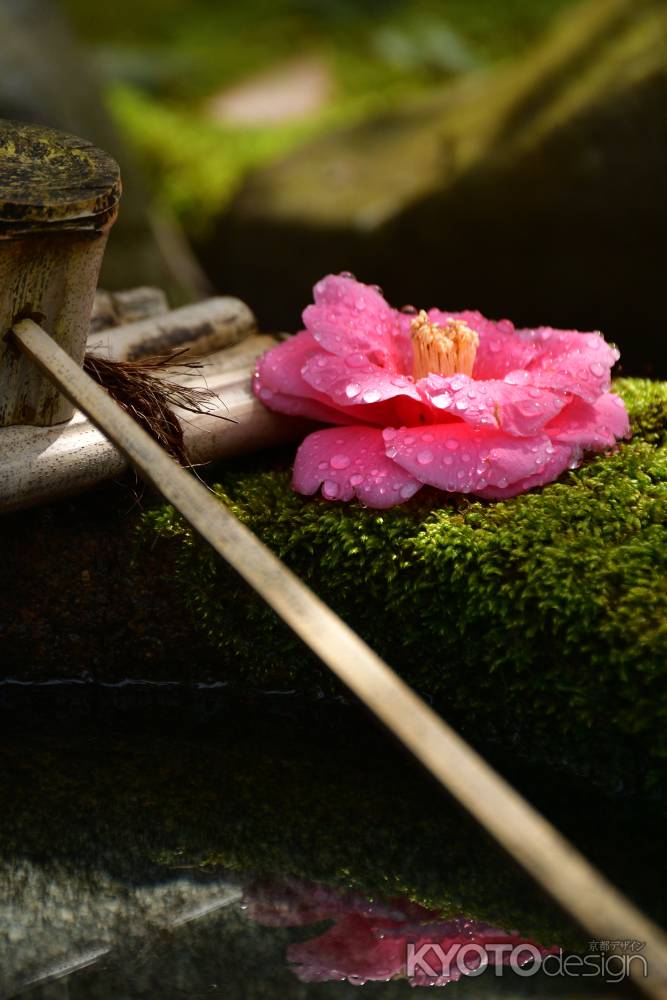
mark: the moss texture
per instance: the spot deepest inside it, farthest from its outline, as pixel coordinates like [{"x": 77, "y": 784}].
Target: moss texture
[{"x": 539, "y": 622}]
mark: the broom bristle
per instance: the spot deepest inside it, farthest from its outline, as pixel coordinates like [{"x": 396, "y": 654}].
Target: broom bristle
[{"x": 141, "y": 390}]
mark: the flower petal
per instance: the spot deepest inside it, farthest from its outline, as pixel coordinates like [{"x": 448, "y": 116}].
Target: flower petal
[
  {"x": 350, "y": 317},
  {"x": 355, "y": 382},
  {"x": 592, "y": 426},
  {"x": 279, "y": 384},
  {"x": 463, "y": 459},
  {"x": 520, "y": 410},
  {"x": 563, "y": 457},
  {"x": 348, "y": 462},
  {"x": 354, "y": 948},
  {"x": 570, "y": 361}
]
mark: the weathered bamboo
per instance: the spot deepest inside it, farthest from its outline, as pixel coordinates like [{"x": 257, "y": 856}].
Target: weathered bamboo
[
  {"x": 130, "y": 306},
  {"x": 526, "y": 835},
  {"x": 200, "y": 328},
  {"x": 58, "y": 198},
  {"x": 41, "y": 464}
]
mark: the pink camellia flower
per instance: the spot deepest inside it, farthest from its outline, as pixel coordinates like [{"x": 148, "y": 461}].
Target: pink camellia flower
[
  {"x": 448, "y": 399},
  {"x": 380, "y": 941}
]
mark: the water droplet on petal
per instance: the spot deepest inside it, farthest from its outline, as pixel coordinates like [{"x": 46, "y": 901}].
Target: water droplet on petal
[
  {"x": 323, "y": 465},
  {"x": 409, "y": 490},
  {"x": 442, "y": 400},
  {"x": 330, "y": 489},
  {"x": 371, "y": 395},
  {"x": 452, "y": 444},
  {"x": 427, "y": 438},
  {"x": 340, "y": 462},
  {"x": 352, "y": 389},
  {"x": 389, "y": 433},
  {"x": 356, "y": 479},
  {"x": 425, "y": 457},
  {"x": 265, "y": 394},
  {"x": 356, "y": 360},
  {"x": 597, "y": 369},
  {"x": 409, "y": 310},
  {"x": 347, "y": 274}
]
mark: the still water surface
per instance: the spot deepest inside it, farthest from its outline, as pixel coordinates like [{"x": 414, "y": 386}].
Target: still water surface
[{"x": 171, "y": 846}]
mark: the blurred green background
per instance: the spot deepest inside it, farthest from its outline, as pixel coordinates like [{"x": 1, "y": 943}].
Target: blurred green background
[
  {"x": 463, "y": 153},
  {"x": 165, "y": 61}
]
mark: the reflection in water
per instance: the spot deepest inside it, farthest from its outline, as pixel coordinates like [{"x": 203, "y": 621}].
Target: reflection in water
[
  {"x": 125, "y": 818},
  {"x": 370, "y": 940}
]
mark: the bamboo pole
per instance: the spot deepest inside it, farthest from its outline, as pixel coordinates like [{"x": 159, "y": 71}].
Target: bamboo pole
[
  {"x": 526, "y": 835},
  {"x": 200, "y": 328},
  {"x": 42, "y": 464},
  {"x": 129, "y": 306}
]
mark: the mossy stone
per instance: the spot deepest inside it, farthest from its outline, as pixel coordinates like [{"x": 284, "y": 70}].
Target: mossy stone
[{"x": 537, "y": 622}]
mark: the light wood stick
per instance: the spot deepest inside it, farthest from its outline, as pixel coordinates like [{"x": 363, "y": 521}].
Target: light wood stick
[{"x": 526, "y": 835}]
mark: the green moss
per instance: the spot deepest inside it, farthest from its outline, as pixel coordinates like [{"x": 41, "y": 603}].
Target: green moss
[{"x": 539, "y": 622}]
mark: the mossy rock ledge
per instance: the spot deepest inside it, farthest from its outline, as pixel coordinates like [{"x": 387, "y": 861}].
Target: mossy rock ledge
[{"x": 539, "y": 623}]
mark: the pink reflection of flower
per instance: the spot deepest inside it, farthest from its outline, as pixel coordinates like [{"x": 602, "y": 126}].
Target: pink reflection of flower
[
  {"x": 452, "y": 400},
  {"x": 369, "y": 941}
]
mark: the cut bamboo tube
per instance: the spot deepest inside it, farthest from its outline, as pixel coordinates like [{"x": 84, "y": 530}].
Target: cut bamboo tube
[
  {"x": 201, "y": 328},
  {"x": 129, "y": 306},
  {"x": 58, "y": 199},
  {"x": 41, "y": 464},
  {"x": 526, "y": 835}
]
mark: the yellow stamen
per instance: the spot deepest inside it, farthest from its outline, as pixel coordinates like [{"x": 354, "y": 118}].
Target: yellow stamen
[{"x": 442, "y": 350}]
